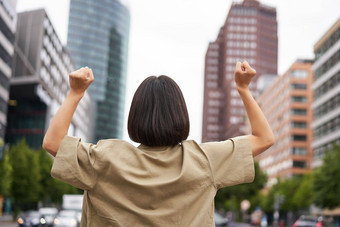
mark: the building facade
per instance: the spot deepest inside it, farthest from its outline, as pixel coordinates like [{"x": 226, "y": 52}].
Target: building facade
[
  {"x": 39, "y": 82},
  {"x": 98, "y": 34},
  {"x": 249, "y": 33},
  {"x": 326, "y": 87},
  {"x": 7, "y": 34},
  {"x": 287, "y": 107}
]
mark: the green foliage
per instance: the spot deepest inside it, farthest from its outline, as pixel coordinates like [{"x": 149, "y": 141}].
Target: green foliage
[
  {"x": 327, "y": 180},
  {"x": 5, "y": 176},
  {"x": 231, "y": 197},
  {"x": 52, "y": 189},
  {"x": 25, "y": 175},
  {"x": 304, "y": 195}
]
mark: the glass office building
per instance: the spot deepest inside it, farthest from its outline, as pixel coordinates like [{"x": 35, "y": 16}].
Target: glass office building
[{"x": 98, "y": 35}]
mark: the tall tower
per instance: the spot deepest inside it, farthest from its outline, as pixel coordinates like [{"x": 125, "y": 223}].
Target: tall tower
[
  {"x": 98, "y": 34},
  {"x": 249, "y": 33}
]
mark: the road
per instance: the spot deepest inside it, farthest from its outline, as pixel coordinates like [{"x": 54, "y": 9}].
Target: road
[{"x": 234, "y": 224}]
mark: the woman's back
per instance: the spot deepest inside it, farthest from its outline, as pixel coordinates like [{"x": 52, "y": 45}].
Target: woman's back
[{"x": 155, "y": 186}]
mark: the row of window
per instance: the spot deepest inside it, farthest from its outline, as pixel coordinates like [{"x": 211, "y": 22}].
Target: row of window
[
  {"x": 242, "y": 28},
  {"x": 302, "y": 112},
  {"x": 327, "y": 65},
  {"x": 320, "y": 151},
  {"x": 298, "y": 138},
  {"x": 4, "y": 80},
  {"x": 327, "y": 85},
  {"x": 299, "y": 99},
  {"x": 6, "y": 31},
  {"x": 241, "y": 20},
  {"x": 243, "y": 44},
  {"x": 241, "y": 36},
  {"x": 298, "y": 86},
  {"x": 243, "y": 11},
  {"x": 330, "y": 126},
  {"x": 299, "y": 73},
  {"x": 5, "y": 56},
  {"x": 299, "y": 151},
  {"x": 328, "y": 44},
  {"x": 298, "y": 124},
  {"x": 299, "y": 164},
  {"x": 327, "y": 107}
]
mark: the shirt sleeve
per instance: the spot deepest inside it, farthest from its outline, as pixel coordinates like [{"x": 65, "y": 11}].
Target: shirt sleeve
[
  {"x": 231, "y": 161},
  {"x": 74, "y": 163}
]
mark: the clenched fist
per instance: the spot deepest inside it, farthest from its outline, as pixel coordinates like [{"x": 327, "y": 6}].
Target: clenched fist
[
  {"x": 243, "y": 74},
  {"x": 80, "y": 80}
]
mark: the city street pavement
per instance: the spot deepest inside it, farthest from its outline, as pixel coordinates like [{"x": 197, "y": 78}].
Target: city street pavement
[
  {"x": 7, "y": 221},
  {"x": 234, "y": 224}
]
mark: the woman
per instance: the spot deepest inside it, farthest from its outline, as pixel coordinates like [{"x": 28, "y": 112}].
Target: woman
[{"x": 167, "y": 180}]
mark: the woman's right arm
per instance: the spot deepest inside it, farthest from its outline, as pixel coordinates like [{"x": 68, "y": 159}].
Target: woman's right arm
[{"x": 261, "y": 137}]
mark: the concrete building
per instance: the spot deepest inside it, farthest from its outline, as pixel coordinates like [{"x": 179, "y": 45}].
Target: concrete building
[
  {"x": 287, "y": 106},
  {"x": 326, "y": 88},
  {"x": 249, "y": 33},
  {"x": 40, "y": 82},
  {"x": 7, "y": 31},
  {"x": 98, "y": 35}
]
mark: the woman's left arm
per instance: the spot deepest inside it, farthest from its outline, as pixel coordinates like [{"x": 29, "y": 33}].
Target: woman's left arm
[{"x": 80, "y": 80}]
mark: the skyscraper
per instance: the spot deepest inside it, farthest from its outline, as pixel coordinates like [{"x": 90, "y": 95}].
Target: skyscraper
[
  {"x": 98, "y": 34},
  {"x": 287, "y": 105},
  {"x": 40, "y": 82},
  {"x": 7, "y": 31},
  {"x": 249, "y": 33},
  {"x": 326, "y": 86}
]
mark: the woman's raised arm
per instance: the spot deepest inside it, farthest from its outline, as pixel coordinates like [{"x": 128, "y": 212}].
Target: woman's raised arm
[
  {"x": 80, "y": 80},
  {"x": 262, "y": 136}
]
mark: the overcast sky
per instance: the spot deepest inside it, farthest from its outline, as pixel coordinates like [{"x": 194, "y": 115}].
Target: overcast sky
[{"x": 170, "y": 37}]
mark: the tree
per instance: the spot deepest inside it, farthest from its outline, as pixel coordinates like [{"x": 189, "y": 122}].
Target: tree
[
  {"x": 5, "y": 176},
  {"x": 304, "y": 195},
  {"x": 52, "y": 189},
  {"x": 26, "y": 176},
  {"x": 327, "y": 180}
]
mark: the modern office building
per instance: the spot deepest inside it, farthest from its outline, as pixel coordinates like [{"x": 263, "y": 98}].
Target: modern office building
[
  {"x": 39, "y": 82},
  {"x": 326, "y": 88},
  {"x": 249, "y": 33},
  {"x": 287, "y": 107},
  {"x": 7, "y": 32},
  {"x": 98, "y": 35}
]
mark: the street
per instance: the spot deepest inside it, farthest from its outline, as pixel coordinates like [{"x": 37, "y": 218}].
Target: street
[{"x": 234, "y": 224}]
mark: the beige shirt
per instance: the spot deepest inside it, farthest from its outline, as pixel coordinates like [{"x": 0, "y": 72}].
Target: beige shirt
[{"x": 152, "y": 186}]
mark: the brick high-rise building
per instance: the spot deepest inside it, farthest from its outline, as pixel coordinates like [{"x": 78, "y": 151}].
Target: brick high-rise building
[
  {"x": 287, "y": 107},
  {"x": 249, "y": 33}
]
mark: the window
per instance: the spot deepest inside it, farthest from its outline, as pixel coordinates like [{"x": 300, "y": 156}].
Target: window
[
  {"x": 302, "y": 74},
  {"x": 301, "y": 99},
  {"x": 298, "y": 111},
  {"x": 298, "y": 124},
  {"x": 299, "y": 164},
  {"x": 299, "y": 138},
  {"x": 298, "y": 86},
  {"x": 299, "y": 151}
]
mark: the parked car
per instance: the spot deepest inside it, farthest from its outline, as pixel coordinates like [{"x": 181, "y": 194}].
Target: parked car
[
  {"x": 220, "y": 221},
  {"x": 311, "y": 221},
  {"x": 67, "y": 218},
  {"x": 29, "y": 218},
  {"x": 47, "y": 215}
]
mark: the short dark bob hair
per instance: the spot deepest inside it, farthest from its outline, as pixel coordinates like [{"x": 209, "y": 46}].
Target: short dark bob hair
[{"x": 158, "y": 113}]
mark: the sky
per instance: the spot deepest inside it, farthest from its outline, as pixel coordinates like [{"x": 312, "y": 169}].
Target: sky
[{"x": 170, "y": 37}]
